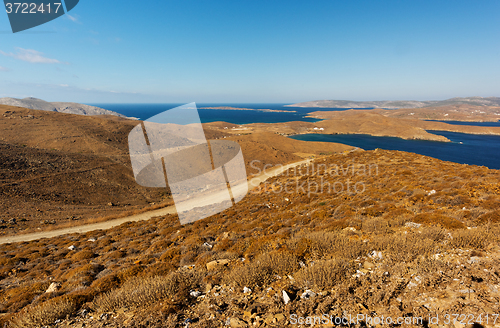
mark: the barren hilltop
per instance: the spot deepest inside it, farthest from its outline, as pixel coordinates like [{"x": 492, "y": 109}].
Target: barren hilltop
[
  {"x": 61, "y": 107},
  {"x": 474, "y": 101}
]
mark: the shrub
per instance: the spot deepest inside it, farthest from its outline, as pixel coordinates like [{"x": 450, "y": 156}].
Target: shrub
[
  {"x": 317, "y": 245},
  {"x": 106, "y": 283},
  {"x": 473, "y": 238},
  {"x": 83, "y": 255},
  {"x": 264, "y": 268},
  {"x": 140, "y": 292},
  {"x": 46, "y": 313},
  {"x": 434, "y": 233},
  {"x": 438, "y": 219},
  {"x": 493, "y": 217},
  {"x": 404, "y": 247},
  {"x": 324, "y": 275},
  {"x": 377, "y": 225}
]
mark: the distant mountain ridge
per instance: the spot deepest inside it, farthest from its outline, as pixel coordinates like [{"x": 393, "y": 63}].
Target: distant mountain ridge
[
  {"x": 61, "y": 107},
  {"x": 475, "y": 101}
]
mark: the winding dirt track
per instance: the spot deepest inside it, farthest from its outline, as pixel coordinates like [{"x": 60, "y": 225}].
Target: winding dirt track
[{"x": 254, "y": 182}]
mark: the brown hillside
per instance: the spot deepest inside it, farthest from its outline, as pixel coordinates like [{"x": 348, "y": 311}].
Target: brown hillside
[
  {"x": 411, "y": 236},
  {"x": 65, "y": 169}
]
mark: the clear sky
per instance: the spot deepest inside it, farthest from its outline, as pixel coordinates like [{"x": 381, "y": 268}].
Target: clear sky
[{"x": 256, "y": 51}]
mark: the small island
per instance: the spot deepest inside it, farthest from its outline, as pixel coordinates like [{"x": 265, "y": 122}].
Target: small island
[{"x": 254, "y": 109}]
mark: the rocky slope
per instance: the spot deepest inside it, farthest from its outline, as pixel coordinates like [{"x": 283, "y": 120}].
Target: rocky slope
[
  {"x": 412, "y": 237},
  {"x": 61, "y": 107}
]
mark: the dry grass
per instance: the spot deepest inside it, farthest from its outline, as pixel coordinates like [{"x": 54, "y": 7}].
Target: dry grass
[
  {"x": 45, "y": 314},
  {"x": 324, "y": 275},
  {"x": 141, "y": 292},
  {"x": 264, "y": 269},
  {"x": 474, "y": 238}
]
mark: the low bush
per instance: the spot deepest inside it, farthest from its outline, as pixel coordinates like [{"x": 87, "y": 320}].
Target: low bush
[
  {"x": 473, "y": 238},
  {"x": 139, "y": 292},
  {"x": 45, "y": 314},
  {"x": 324, "y": 275}
]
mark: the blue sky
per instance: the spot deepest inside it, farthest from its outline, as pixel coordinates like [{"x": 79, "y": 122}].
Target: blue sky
[{"x": 256, "y": 51}]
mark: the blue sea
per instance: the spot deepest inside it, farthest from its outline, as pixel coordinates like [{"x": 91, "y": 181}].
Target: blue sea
[
  {"x": 145, "y": 111},
  {"x": 464, "y": 148},
  {"x": 469, "y": 123}
]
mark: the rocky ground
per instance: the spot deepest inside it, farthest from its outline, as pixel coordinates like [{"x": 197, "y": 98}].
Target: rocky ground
[{"x": 419, "y": 240}]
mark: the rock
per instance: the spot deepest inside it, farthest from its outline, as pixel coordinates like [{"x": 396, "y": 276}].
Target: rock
[
  {"x": 217, "y": 263},
  {"x": 307, "y": 294},
  {"x": 195, "y": 293},
  {"x": 368, "y": 265},
  {"x": 235, "y": 322},
  {"x": 286, "y": 298},
  {"x": 92, "y": 240},
  {"x": 413, "y": 225},
  {"x": 54, "y": 287},
  {"x": 376, "y": 255},
  {"x": 246, "y": 290},
  {"x": 279, "y": 317}
]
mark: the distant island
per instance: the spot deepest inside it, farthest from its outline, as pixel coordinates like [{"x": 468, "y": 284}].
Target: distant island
[
  {"x": 253, "y": 109},
  {"x": 60, "y": 107},
  {"x": 392, "y": 104}
]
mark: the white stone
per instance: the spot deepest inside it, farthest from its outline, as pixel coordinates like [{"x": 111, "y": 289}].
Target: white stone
[
  {"x": 286, "y": 298},
  {"x": 307, "y": 294}
]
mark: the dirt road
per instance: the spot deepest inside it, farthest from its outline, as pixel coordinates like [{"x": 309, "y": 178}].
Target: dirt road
[{"x": 252, "y": 183}]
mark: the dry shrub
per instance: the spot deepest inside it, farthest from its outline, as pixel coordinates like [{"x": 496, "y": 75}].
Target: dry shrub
[
  {"x": 491, "y": 203},
  {"x": 46, "y": 313},
  {"x": 158, "y": 269},
  {"x": 473, "y": 238},
  {"x": 377, "y": 225},
  {"x": 374, "y": 211},
  {"x": 172, "y": 254},
  {"x": 317, "y": 245},
  {"x": 83, "y": 255},
  {"x": 264, "y": 269},
  {"x": 404, "y": 247},
  {"x": 114, "y": 255},
  {"x": 106, "y": 283},
  {"x": 490, "y": 217},
  {"x": 434, "y": 233},
  {"x": 438, "y": 219},
  {"x": 139, "y": 292},
  {"x": 16, "y": 298},
  {"x": 82, "y": 276},
  {"x": 324, "y": 275}
]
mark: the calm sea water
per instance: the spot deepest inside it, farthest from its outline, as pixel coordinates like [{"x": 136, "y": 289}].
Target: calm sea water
[
  {"x": 145, "y": 111},
  {"x": 469, "y": 123},
  {"x": 463, "y": 148}
]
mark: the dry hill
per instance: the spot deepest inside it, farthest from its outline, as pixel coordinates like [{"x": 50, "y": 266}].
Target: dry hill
[
  {"x": 389, "y": 234},
  {"x": 60, "y": 168}
]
